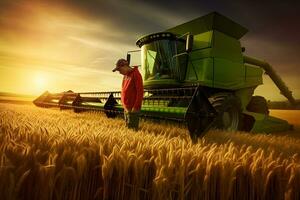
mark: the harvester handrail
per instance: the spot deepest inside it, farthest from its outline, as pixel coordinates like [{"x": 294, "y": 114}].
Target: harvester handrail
[{"x": 284, "y": 90}]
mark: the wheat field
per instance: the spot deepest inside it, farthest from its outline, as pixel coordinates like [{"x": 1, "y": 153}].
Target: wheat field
[{"x": 53, "y": 154}]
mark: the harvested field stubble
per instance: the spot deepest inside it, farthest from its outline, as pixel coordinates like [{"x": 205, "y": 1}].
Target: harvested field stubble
[{"x": 52, "y": 154}]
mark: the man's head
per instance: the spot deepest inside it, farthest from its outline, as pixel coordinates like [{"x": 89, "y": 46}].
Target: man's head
[{"x": 122, "y": 66}]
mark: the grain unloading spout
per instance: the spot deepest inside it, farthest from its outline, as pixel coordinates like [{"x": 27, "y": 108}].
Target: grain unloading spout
[{"x": 284, "y": 90}]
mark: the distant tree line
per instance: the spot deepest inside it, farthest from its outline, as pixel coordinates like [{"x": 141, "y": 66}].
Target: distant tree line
[{"x": 284, "y": 105}]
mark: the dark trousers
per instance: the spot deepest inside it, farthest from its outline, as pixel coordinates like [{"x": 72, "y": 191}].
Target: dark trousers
[{"x": 132, "y": 120}]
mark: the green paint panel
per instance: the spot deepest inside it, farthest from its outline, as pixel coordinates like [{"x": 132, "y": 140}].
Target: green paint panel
[
  {"x": 203, "y": 40},
  {"x": 161, "y": 83},
  {"x": 228, "y": 74},
  {"x": 245, "y": 95},
  {"x": 226, "y": 47},
  {"x": 160, "y": 109},
  {"x": 253, "y": 75},
  {"x": 100, "y": 105},
  {"x": 200, "y": 54},
  {"x": 211, "y": 21},
  {"x": 201, "y": 69},
  {"x": 153, "y": 110},
  {"x": 268, "y": 124}
]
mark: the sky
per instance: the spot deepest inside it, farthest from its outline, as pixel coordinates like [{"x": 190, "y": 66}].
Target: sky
[{"x": 60, "y": 45}]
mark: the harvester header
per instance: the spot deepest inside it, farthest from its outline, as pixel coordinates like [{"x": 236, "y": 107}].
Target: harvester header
[{"x": 195, "y": 73}]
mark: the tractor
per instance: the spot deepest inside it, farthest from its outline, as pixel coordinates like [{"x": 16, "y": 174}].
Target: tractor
[{"x": 195, "y": 73}]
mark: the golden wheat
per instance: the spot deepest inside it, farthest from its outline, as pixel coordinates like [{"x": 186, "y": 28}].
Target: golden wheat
[{"x": 52, "y": 154}]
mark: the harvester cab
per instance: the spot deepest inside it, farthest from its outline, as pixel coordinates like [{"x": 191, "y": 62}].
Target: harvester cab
[
  {"x": 195, "y": 73},
  {"x": 163, "y": 60}
]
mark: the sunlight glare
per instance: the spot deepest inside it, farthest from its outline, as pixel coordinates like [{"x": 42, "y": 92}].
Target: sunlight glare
[{"x": 40, "y": 82}]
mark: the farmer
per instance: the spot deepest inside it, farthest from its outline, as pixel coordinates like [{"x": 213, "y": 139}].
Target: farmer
[{"x": 132, "y": 92}]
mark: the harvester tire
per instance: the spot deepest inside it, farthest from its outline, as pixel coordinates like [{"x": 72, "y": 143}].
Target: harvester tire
[
  {"x": 229, "y": 112},
  {"x": 258, "y": 104}
]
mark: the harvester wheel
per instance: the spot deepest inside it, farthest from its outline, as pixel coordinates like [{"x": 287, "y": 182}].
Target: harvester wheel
[
  {"x": 258, "y": 104},
  {"x": 228, "y": 108}
]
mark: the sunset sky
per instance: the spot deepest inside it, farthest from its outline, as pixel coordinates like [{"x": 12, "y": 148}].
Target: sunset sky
[{"x": 58, "y": 45}]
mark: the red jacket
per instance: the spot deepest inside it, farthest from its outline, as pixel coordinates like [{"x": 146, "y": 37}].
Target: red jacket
[{"x": 132, "y": 90}]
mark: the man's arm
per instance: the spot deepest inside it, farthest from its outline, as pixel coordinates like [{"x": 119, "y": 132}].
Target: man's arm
[
  {"x": 138, "y": 81},
  {"x": 122, "y": 96}
]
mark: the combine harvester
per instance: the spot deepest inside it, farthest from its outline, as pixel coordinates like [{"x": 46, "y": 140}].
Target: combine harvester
[{"x": 196, "y": 73}]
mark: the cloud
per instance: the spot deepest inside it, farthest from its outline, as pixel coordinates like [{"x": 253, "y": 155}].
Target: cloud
[{"x": 282, "y": 56}]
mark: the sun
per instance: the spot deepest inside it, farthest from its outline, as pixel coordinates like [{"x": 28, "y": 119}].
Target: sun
[{"x": 40, "y": 82}]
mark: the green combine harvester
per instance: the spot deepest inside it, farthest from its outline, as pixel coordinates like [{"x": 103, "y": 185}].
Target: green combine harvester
[{"x": 195, "y": 73}]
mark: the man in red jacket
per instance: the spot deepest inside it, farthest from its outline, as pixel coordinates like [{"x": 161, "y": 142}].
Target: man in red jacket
[{"x": 132, "y": 92}]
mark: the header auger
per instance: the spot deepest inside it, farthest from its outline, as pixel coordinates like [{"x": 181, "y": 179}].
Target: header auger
[{"x": 196, "y": 73}]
